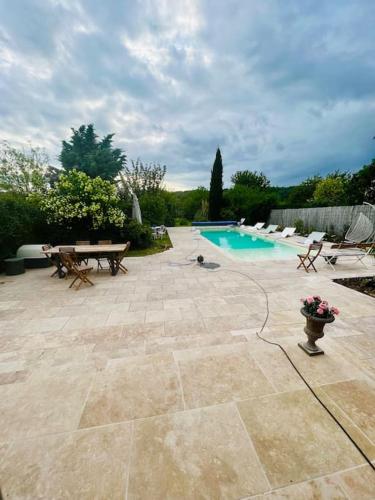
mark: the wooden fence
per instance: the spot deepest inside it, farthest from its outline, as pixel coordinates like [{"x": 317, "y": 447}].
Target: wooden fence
[{"x": 333, "y": 220}]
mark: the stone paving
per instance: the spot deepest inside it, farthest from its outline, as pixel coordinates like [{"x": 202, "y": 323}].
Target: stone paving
[{"x": 154, "y": 385}]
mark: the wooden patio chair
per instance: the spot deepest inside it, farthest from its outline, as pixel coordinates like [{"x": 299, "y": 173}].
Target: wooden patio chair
[
  {"x": 52, "y": 258},
  {"x": 309, "y": 257},
  {"x": 74, "y": 256},
  {"x": 69, "y": 259},
  {"x": 120, "y": 257},
  {"x": 83, "y": 243},
  {"x": 100, "y": 259}
]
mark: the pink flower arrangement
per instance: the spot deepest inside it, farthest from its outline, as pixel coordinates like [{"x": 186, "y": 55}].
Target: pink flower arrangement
[{"x": 315, "y": 306}]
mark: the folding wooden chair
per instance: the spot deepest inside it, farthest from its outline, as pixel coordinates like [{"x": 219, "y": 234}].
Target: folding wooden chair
[
  {"x": 120, "y": 257},
  {"x": 100, "y": 259},
  {"x": 309, "y": 258},
  {"x": 69, "y": 259},
  {"x": 83, "y": 243},
  {"x": 51, "y": 258}
]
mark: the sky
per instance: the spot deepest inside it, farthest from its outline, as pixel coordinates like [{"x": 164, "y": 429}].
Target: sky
[{"x": 282, "y": 86}]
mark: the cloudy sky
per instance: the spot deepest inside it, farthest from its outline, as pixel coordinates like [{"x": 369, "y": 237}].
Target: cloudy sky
[{"x": 283, "y": 86}]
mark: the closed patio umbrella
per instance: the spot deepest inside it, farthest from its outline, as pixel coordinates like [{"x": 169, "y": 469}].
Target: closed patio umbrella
[{"x": 136, "y": 210}]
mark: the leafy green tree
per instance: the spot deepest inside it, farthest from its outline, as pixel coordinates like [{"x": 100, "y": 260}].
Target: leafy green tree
[
  {"x": 23, "y": 171},
  {"x": 202, "y": 213},
  {"x": 195, "y": 201},
  {"x": 370, "y": 193},
  {"x": 330, "y": 191},
  {"x": 253, "y": 204},
  {"x": 171, "y": 206},
  {"x": 154, "y": 208},
  {"x": 77, "y": 199},
  {"x": 52, "y": 175},
  {"x": 96, "y": 158},
  {"x": 302, "y": 195},
  {"x": 360, "y": 185},
  {"x": 250, "y": 179},
  {"x": 142, "y": 178},
  {"x": 215, "y": 199}
]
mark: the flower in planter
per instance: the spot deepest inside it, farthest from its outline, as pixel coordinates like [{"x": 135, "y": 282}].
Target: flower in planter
[{"x": 318, "y": 308}]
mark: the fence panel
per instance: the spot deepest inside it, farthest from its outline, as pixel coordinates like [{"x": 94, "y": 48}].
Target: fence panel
[{"x": 333, "y": 220}]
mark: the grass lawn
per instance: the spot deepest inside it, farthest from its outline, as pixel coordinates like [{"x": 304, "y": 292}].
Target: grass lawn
[{"x": 159, "y": 245}]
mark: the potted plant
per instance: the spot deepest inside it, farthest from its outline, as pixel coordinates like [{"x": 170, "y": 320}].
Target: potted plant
[{"x": 317, "y": 313}]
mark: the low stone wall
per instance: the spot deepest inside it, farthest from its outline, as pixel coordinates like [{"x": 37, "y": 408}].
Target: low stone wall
[{"x": 333, "y": 220}]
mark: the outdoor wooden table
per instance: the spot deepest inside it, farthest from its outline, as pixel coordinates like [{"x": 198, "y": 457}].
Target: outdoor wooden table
[{"x": 111, "y": 252}]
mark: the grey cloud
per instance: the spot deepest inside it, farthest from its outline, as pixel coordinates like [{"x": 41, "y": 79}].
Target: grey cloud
[{"x": 286, "y": 87}]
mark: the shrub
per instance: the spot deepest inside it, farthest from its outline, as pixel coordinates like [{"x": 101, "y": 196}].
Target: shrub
[
  {"x": 299, "y": 225},
  {"x": 227, "y": 214},
  {"x": 77, "y": 200},
  {"x": 153, "y": 208},
  {"x": 181, "y": 221},
  {"x": 21, "y": 222},
  {"x": 138, "y": 234}
]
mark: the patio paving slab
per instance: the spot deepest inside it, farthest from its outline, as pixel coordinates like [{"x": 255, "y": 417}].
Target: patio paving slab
[
  {"x": 48, "y": 402},
  {"x": 220, "y": 374},
  {"x": 84, "y": 464},
  {"x": 202, "y": 453},
  {"x": 295, "y": 439},
  {"x": 142, "y": 386},
  {"x": 357, "y": 399},
  {"x": 359, "y": 483}
]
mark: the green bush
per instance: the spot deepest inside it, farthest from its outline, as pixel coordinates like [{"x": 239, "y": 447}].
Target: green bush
[
  {"x": 78, "y": 200},
  {"x": 21, "y": 222},
  {"x": 299, "y": 225},
  {"x": 153, "y": 208},
  {"x": 139, "y": 235},
  {"x": 181, "y": 221},
  {"x": 227, "y": 214}
]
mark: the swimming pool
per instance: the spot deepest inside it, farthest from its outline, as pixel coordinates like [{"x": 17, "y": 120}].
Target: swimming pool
[{"x": 249, "y": 247}]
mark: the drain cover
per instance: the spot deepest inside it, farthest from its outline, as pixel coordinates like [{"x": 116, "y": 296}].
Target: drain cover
[{"x": 210, "y": 265}]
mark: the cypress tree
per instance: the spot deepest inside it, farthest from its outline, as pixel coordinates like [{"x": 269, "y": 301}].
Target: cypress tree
[{"x": 215, "y": 199}]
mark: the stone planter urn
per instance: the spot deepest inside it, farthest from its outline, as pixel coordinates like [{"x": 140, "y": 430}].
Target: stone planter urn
[{"x": 314, "y": 331}]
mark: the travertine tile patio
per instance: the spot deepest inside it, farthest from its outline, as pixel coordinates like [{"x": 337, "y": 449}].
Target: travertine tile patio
[{"x": 154, "y": 385}]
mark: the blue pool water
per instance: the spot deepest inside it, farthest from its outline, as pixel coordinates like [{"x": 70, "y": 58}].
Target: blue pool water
[{"x": 245, "y": 246}]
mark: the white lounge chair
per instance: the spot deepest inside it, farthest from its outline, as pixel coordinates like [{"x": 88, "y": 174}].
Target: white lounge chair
[
  {"x": 271, "y": 228},
  {"x": 314, "y": 237},
  {"x": 286, "y": 233},
  {"x": 257, "y": 226},
  {"x": 241, "y": 223}
]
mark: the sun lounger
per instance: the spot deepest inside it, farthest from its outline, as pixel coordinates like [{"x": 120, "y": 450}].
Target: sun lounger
[
  {"x": 271, "y": 228},
  {"x": 257, "y": 226},
  {"x": 314, "y": 237},
  {"x": 287, "y": 232},
  {"x": 348, "y": 251}
]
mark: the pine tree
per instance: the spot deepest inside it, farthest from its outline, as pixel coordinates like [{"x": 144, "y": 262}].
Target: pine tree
[
  {"x": 96, "y": 158},
  {"x": 216, "y": 188}
]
